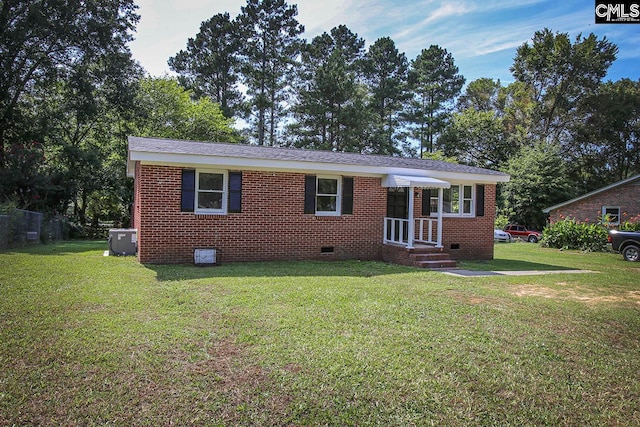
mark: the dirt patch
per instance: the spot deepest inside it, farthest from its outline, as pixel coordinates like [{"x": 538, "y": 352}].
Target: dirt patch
[{"x": 576, "y": 294}]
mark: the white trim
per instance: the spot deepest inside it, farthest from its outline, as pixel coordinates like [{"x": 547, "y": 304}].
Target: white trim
[
  {"x": 412, "y": 223},
  {"x": 199, "y": 161},
  {"x": 196, "y": 161},
  {"x": 440, "y": 209},
  {"x": 225, "y": 193},
  {"x": 338, "y": 210},
  {"x": 461, "y": 213},
  {"x": 604, "y": 212}
]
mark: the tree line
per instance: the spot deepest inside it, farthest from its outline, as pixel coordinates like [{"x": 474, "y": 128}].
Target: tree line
[{"x": 70, "y": 93}]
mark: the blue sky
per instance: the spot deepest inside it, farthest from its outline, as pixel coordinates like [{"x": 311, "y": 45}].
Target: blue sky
[{"x": 481, "y": 35}]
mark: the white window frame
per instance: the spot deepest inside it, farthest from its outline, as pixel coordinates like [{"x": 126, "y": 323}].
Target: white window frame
[
  {"x": 461, "y": 200},
  {"x": 604, "y": 212},
  {"x": 338, "y": 195},
  {"x": 224, "y": 192}
]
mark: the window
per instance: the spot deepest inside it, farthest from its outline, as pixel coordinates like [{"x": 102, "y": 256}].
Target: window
[
  {"x": 211, "y": 193},
  {"x": 467, "y": 198},
  {"x": 327, "y": 200},
  {"x": 456, "y": 200},
  {"x": 208, "y": 192},
  {"x": 324, "y": 195},
  {"x": 611, "y": 214}
]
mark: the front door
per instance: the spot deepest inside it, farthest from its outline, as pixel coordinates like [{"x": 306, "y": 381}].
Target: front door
[
  {"x": 397, "y": 207},
  {"x": 397, "y": 203}
]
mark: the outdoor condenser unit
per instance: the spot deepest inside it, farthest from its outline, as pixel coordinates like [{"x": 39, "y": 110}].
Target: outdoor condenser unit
[
  {"x": 204, "y": 256},
  {"x": 123, "y": 241}
]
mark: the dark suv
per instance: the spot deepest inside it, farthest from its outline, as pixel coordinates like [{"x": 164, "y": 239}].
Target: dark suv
[{"x": 522, "y": 232}]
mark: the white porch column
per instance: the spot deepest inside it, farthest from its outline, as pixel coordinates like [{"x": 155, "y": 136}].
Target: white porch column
[
  {"x": 440, "y": 203},
  {"x": 412, "y": 224}
]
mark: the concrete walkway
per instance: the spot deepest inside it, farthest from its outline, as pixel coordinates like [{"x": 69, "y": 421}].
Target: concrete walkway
[{"x": 475, "y": 273}]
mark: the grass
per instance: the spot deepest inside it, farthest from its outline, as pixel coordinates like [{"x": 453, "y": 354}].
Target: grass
[{"x": 92, "y": 340}]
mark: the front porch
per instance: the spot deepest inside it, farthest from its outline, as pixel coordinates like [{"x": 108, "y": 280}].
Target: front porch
[{"x": 411, "y": 240}]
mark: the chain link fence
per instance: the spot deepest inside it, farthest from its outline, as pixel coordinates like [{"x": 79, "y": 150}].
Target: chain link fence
[{"x": 19, "y": 228}]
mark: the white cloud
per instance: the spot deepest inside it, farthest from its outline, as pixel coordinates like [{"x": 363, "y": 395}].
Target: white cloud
[{"x": 469, "y": 29}]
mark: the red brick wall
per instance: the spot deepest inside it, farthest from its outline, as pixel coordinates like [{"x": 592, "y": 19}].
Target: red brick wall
[
  {"x": 273, "y": 226},
  {"x": 589, "y": 209}
]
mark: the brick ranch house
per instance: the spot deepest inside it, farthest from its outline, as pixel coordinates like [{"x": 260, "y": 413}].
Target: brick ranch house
[
  {"x": 621, "y": 201},
  {"x": 256, "y": 203}
]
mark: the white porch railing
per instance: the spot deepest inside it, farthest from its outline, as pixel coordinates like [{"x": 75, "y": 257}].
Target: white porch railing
[
  {"x": 396, "y": 230},
  {"x": 427, "y": 230}
]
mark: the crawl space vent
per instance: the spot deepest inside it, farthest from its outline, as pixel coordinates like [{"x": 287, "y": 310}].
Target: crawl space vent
[{"x": 204, "y": 256}]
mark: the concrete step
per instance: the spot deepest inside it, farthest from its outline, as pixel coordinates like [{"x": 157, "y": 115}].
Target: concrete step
[
  {"x": 430, "y": 256},
  {"x": 436, "y": 264}
]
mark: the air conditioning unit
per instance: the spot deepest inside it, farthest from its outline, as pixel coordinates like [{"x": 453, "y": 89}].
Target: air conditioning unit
[
  {"x": 204, "y": 256},
  {"x": 123, "y": 241}
]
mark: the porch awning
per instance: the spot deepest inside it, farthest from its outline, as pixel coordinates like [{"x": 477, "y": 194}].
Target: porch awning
[{"x": 413, "y": 181}]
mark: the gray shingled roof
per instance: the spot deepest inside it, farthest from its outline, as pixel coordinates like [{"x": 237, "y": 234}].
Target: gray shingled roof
[{"x": 169, "y": 146}]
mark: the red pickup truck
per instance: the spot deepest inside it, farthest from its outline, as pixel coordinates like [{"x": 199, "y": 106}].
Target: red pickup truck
[{"x": 627, "y": 243}]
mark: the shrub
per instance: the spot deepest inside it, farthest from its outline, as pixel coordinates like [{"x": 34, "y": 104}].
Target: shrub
[
  {"x": 632, "y": 224},
  {"x": 569, "y": 234},
  {"x": 501, "y": 221}
]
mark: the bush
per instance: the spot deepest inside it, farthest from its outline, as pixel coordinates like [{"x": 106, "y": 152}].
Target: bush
[
  {"x": 569, "y": 234},
  {"x": 632, "y": 224},
  {"x": 501, "y": 222}
]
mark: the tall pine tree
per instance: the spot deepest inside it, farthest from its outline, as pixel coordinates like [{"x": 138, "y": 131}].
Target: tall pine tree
[
  {"x": 210, "y": 64},
  {"x": 269, "y": 60},
  {"x": 434, "y": 82},
  {"x": 385, "y": 70},
  {"x": 330, "y": 109}
]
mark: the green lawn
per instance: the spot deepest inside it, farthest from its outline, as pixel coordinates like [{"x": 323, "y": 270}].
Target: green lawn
[{"x": 92, "y": 340}]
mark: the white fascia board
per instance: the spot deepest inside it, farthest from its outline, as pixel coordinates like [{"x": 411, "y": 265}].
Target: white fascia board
[{"x": 243, "y": 163}]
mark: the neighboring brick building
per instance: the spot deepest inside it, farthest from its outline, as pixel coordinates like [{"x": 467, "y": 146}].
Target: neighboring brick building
[
  {"x": 621, "y": 201},
  {"x": 254, "y": 203}
]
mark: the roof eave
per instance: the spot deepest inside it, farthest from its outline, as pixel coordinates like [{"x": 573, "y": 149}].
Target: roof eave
[
  {"x": 213, "y": 161},
  {"x": 593, "y": 193}
]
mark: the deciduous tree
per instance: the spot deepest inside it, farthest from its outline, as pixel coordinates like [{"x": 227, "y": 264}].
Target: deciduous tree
[
  {"x": 41, "y": 38},
  {"x": 168, "y": 110},
  {"x": 560, "y": 74}
]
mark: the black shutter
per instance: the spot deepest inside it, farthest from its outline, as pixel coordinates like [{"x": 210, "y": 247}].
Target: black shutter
[
  {"x": 479, "y": 200},
  {"x": 426, "y": 202},
  {"x": 188, "y": 190},
  {"x": 347, "y": 195},
  {"x": 235, "y": 192},
  {"x": 310, "y": 194}
]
